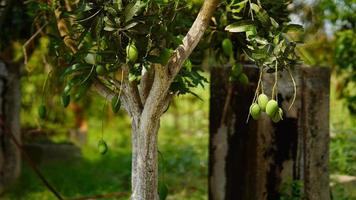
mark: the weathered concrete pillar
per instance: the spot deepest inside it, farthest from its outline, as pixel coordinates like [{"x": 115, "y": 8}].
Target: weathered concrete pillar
[
  {"x": 315, "y": 127},
  {"x": 260, "y": 159}
]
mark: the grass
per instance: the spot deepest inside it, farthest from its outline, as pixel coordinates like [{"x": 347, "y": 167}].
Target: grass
[{"x": 183, "y": 144}]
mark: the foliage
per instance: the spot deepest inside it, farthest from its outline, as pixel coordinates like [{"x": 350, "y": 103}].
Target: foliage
[
  {"x": 345, "y": 61},
  {"x": 339, "y": 192},
  {"x": 103, "y": 33},
  {"x": 330, "y": 28},
  {"x": 100, "y": 36},
  {"x": 259, "y": 28},
  {"x": 292, "y": 190},
  {"x": 340, "y": 13},
  {"x": 343, "y": 153}
]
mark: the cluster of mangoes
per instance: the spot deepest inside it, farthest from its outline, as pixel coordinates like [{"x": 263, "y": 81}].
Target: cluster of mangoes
[{"x": 265, "y": 105}]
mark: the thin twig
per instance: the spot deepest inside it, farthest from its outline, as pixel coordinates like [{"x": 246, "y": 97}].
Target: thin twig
[
  {"x": 122, "y": 80},
  {"x": 294, "y": 88},
  {"x": 83, "y": 20},
  {"x": 275, "y": 82},
  {"x": 45, "y": 85},
  {"x": 24, "y": 47},
  {"x": 226, "y": 105},
  {"x": 256, "y": 91}
]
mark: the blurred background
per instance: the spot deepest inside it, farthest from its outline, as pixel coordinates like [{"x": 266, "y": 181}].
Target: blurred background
[{"x": 65, "y": 145}]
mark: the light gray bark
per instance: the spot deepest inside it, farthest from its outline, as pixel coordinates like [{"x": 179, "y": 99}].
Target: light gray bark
[
  {"x": 10, "y": 162},
  {"x": 145, "y": 165}
]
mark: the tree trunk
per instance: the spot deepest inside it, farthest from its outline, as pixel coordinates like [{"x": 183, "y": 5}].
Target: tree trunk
[
  {"x": 9, "y": 113},
  {"x": 144, "y": 173}
]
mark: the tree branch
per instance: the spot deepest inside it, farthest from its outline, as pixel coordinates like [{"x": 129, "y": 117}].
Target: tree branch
[
  {"x": 192, "y": 38},
  {"x": 104, "y": 91},
  {"x": 130, "y": 91},
  {"x": 158, "y": 93},
  {"x": 146, "y": 83},
  {"x": 164, "y": 76},
  {"x": 108, "y": 94}
]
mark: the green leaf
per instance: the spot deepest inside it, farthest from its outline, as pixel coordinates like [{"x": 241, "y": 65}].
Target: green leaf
[
  {"x": 118, "y": 4},
  {"x": 65, "y": 100},
  {"x": 75, "y": 68},
  {"x": 258, "y": 55},
  {"x": 293, "y": 27},
  {"x": 237, "y": 7},
  {"x": 42, "y": 111},
  {"x": 108, "y": 22},
  {"x": 164, "y": 56},
  {"x": 83, "y": 88},
  {"x": 109, "y": 28},
  {"x": 260, "y": 40},
  {"x": 87, "y": 7},
  {"x": 261, "y": 14},
  {"x": 274, "y": 23},
  {"x": 188, "y": 65},
  {"x": 99, "y": 26},
  {"x": 163, "y": 191},
  {"x": 133, "y": 9},
  {"x": 129, "y": 26},
  {"x": 111, "y": 10},
  {"x": 255, "y": 7},
  {"x": 280, "y": 48},
  {"x": 241, "y": 26},
  {"x": 249, "y": 54},
  {"x": 115, "y": 104}
]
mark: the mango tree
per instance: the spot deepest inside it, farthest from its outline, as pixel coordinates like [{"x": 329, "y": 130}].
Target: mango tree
[{"x": 135, "y": 54}]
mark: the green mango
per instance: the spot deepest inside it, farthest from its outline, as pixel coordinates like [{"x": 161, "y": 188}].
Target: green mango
[
  {"x": 243, "y": 79},
  {"x": 65, "y": 100},
  {"x": 103, "y": 147},
  {"x": 255, "y": 111},
  {"x": 271, "y": 108},
  {"x": 42, "y": 111},
  {"x": 236, "y": 70},
  {"x": 131, "y": 53},
  {"x": 100, "y": 70},
  {"x": 278, "y": 116},
  {"x": 227, "y": 47},
  {"x": 262, "y": 101}
]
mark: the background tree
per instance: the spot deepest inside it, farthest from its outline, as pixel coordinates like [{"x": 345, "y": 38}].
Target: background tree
[
  {"x": 14, "y": 26},
  {"x": 330, "y": 40}
]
